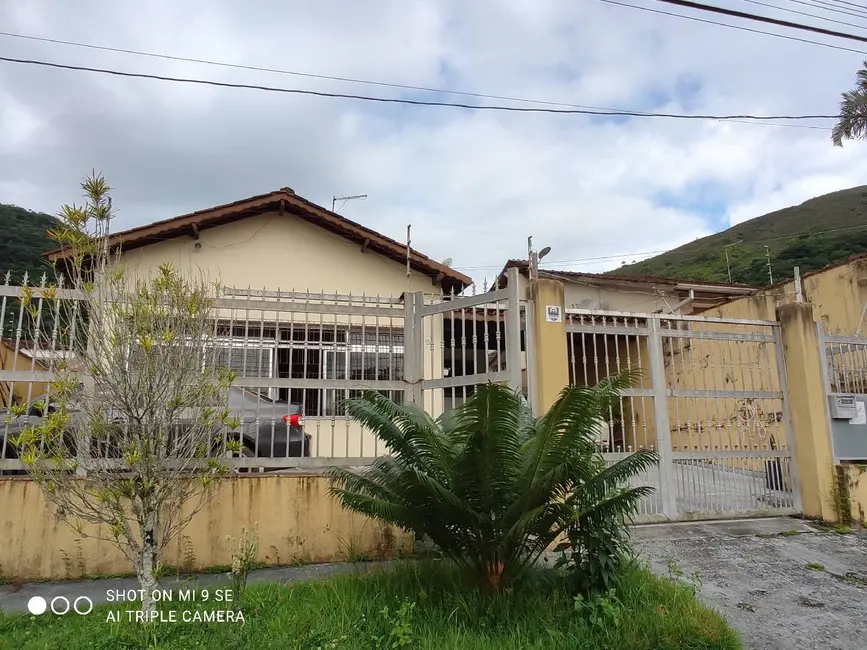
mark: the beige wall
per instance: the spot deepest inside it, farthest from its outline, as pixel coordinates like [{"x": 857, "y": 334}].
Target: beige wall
[
  {"x": 271, "y": 251},
  {"x": 297, "y": 522},
  {"x": 21, "y": 390},
  {"x": 856, "y": 478},
  {"x": 836, "y": 295}
]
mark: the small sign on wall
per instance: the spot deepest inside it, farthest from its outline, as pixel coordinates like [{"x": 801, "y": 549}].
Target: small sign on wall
[{"x": 554, "y": 313}]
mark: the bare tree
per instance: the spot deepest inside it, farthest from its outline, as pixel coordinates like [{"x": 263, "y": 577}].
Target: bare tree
[{"x": 131, "y": 438}]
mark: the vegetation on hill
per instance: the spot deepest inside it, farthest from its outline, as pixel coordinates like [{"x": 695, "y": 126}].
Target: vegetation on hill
[
  {"x": 23, "y": 241},
  {"x": 794, "y": 236}
]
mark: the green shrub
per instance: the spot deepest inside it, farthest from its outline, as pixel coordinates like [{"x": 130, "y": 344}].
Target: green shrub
[{"x": 493, "y": 487}]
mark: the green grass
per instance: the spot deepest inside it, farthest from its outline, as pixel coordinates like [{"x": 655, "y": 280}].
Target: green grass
[
  {"x": 815, "y": 566},
  {"x": 425, "y": 606}
]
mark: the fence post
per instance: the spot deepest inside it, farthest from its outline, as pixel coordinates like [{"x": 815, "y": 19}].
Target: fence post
[
  {"x": 667, "y": 486},
  {"x": 803, "y": 355},
  {"x": 513, "y": 331},
  {"x": 550, "y": 349},
  {"x": 413, "y": 346}
]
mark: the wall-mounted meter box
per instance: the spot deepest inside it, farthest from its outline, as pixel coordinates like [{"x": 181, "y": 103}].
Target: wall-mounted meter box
[{"x": 842, "y": 407}]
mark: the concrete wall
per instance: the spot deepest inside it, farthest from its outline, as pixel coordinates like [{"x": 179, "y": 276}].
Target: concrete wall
[
  {"x": 296, "y": 519},
  {"x": 272, "y": 251},
  {"x": 856, "y": 477},
  {"x": 836, "y": 295}
]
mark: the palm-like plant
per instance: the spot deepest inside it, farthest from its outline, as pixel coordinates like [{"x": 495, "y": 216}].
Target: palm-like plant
[
  {"x": 852, "y": 124},
  {"x": 489, "y": 484}
]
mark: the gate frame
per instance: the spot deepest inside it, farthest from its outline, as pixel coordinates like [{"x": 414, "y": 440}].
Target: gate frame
[{"x": 661, "y": 393}]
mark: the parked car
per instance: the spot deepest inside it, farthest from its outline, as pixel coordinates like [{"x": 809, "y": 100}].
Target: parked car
[{"x": 269, "y": 428}]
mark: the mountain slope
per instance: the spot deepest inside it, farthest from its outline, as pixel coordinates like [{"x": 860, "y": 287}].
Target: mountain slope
[
  {"x": 23, "y": 240},
  {"x": 790, "y": 235}
]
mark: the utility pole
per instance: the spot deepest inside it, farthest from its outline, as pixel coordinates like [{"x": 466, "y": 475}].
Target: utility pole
[
  {"x": 770, "y": 270},
  {"x": 726, "y": 251}
]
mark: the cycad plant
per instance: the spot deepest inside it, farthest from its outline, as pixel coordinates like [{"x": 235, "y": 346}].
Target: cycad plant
[{"x": 492, "y": 486}]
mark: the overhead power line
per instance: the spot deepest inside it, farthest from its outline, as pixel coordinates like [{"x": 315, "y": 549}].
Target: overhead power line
[
  {"x": 384, "y": 84},
  {"x": 414, "y": 102},
  {"x": 836, "y": 7},
  {"x": 738, "y": 27},
  {"x": 804, "y": 13},
  {"x": 845, "y": 2},
  {"x": 621, "y": 256},
  {"x": 823, "y": 8},
  {"x": 764, "y": 19}
]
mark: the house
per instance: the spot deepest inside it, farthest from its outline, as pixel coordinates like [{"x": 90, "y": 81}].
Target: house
[
  {"x": 313, "y": 302},
  {"x": 25, "y": 357},
  {"x": 634, "y": 294}
]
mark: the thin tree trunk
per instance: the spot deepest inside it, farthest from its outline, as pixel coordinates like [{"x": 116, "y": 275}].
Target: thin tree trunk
[{"x": 148, "y": 564}]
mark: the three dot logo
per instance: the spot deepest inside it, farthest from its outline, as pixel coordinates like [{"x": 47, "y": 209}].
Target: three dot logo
[{"x": 60, "y": 605}]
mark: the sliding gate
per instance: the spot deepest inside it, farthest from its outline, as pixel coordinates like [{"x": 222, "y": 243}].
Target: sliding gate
[{"x": 709, "y": 396}]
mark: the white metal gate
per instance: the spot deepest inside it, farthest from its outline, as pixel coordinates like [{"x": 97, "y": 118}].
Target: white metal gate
[
  {"x": 458, "y": 343},
  {"x": 710, "y": 398}
]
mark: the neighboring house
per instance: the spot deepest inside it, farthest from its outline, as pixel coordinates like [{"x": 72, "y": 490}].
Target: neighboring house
[
  {"x": 283, "y": 248},
  {"x": 634, "y": 294},
  {"x": 26, "y": 360}
]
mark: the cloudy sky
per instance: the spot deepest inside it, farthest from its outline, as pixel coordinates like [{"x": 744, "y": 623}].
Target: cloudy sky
[{"x": 473, "y": 184}]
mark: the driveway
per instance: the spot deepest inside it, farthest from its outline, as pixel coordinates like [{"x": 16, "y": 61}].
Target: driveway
[{"x": 755, "y": 573}]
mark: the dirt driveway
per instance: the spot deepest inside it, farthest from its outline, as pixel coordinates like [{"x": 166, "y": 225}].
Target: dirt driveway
[{"x": 781, "y": 582}]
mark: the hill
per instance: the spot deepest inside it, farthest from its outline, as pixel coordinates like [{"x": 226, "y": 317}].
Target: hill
[
  {"x": 23, "y": 241},
  {"x": 795, "y": 236}
]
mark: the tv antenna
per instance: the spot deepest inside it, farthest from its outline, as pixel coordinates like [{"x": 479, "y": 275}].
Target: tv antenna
[{"x": 335, "y": 199}]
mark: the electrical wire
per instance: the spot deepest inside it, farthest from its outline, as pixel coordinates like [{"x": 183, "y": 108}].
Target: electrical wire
[
  {"x": 804, "y": 13},
  {"x": 836, "y": 7},
  {"x": 845, "y": 2},
  {"x": 689, "y": 4},
  {"x": 818, "y": 6},
  {"x": 738, "y": 27},
  {"x": 415, "y": 102},
  {"x": 675, "y": 251},
  {"x": 295, "y": 73},
  {"x": 360, "y": 81}
]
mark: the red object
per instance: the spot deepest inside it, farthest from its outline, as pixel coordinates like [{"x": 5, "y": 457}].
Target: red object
[{"x": 293, "y": 420}]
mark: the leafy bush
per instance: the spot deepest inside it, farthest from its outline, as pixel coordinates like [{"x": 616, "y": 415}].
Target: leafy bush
[{"x": 492, "y": 486}]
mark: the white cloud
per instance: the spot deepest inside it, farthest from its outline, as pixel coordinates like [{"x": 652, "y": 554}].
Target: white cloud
[{"x": 473, "y": 184}]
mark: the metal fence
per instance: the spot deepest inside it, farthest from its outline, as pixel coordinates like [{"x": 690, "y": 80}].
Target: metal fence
[
  {"x": 312, "y": 350},
  {"x": 709, "y": 397}
]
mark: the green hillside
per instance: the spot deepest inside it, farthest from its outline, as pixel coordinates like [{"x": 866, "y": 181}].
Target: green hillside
[
  {"x": 23, "y": 240},
  {"x": 790, "y": 235}
]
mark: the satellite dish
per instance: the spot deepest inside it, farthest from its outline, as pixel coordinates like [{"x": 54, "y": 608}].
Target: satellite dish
[
  {"x": 544, "y": 252},
  {"x": 447, "y": 262}
]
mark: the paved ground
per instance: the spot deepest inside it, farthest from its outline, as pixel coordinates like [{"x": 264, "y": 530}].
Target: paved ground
[
  {"x": 717, "y": 488},
  {"x": 750, "y": 571},
  {"x": 758, "y": 579}
]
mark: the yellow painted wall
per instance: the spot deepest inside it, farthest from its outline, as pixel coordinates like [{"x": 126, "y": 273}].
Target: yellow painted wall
[
  {"x": 296, "y": 520},
  {"x": 21, "y": 391},
  {"x": 273, "y": 252},
  {"x": 856, "y": 476},
  {"x": 837, "y": 296}
]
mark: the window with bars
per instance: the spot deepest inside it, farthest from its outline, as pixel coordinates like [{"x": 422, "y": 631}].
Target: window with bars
[{"x": 303, "y": 351}]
